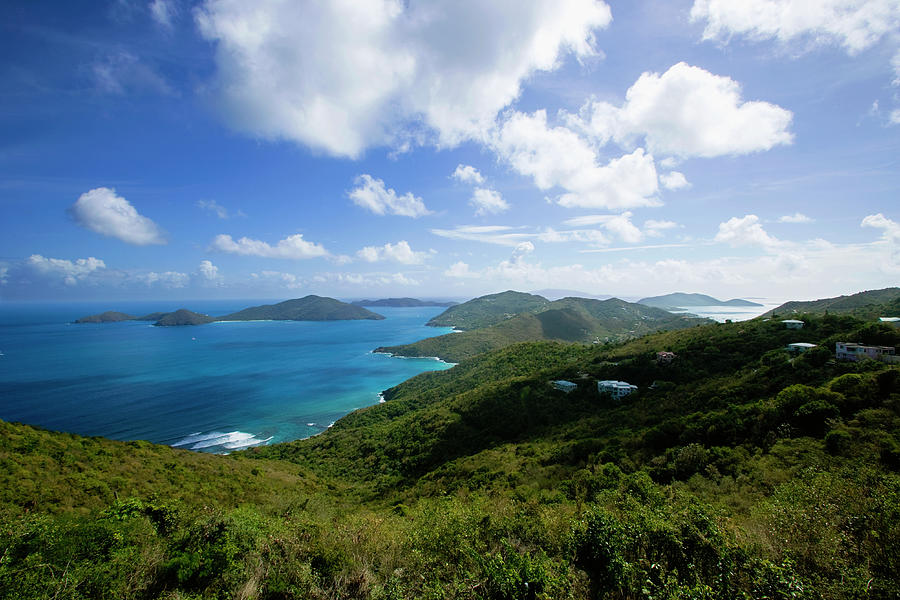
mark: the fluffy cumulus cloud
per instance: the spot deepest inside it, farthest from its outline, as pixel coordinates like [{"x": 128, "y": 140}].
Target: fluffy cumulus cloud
[
  {"x": 488, "y": 202},
  {"x": 556, "y": 156},
  {"x": 103, "y": 212},
  {"x": 744, "y": 231},
  {"x": 292, "y": 247},
  {"x": 853, "y": 24},
  {"x": 399, "y": 252},
  {"x": 467, "y": 174},
  {"x": 278, "y": 279},
  {"x": 794, "y": 218},
  {"x": 70, "y": 272},
  {"x": 688, "y": 111},
  {"x": 890, "y": 229},
  {"x": 674, "y": 180},
  {"x": 207, "y": 274},
  {"x": 346, "y": 75},
  {"x": 371, "y": 194},
  {"x": 618, "y": 225}
]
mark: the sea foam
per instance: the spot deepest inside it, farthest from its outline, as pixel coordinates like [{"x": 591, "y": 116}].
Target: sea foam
[{"x": 233, "y": 440}]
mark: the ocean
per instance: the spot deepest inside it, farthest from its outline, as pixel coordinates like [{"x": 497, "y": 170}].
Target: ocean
[{"x": 215, "y": 388}]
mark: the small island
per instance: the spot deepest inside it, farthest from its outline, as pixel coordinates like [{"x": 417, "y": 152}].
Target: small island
[
  {"x": 402, "y": 302},
  {"x": 309, "y": 308},
  {"x": 682, "y": 300}
]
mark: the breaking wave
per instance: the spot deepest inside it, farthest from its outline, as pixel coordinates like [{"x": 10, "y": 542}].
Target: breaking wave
[{"x": 216, "y": 440}]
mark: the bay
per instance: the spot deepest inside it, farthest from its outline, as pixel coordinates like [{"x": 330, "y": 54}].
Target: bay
[{"x": 216, "y": 387}]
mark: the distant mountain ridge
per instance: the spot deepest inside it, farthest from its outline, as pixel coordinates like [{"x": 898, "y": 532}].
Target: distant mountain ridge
[
  {"x": 870, "y": 304},
  {"x": 568, "y": 320},
  {"x": 401, "y": 302},
  {"x": 683, "y": 300},
  {"x": 308, "y": 308}
]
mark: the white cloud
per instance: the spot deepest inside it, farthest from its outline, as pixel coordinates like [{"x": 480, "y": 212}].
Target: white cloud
[
  {"x": 163, "y": 12},
  {"x": 467, "y": 174},
  {"x": 795, "y": 218},
  {"x": 71, "y": 272},
  {"x": 502, "y": 235},
  {"x": 124, "y": 73},
  {"x": 744, "y": 231},
  {"x": 167, "y": 279},
  {"x": 103, "y": 212},
  {"x": 372, "y": 195},
  {"x": 208, "y": 274},
  {"x": 853, "y": 24},
  {"x": 486, "y": 201},
  {"x": 619, "y": 225},
  {"x": 217, "y": 209},
  {"x": 292, "y": 247},
  {"x": 365, "y": 279},
  {"x": 654, "y": 225},
  {"x": 895, "y": 63},
  {"x": 4, "y": 275},
  {"x": 286, "y": 280},
  {"x": 399, "y": 252},
  {"x": 890, "y": 229},
  {"x": 894, "y": 118},
  {"x": 346, "y": 75},
  {"x": 674, "y": 181},
  {"x": 558, "y": 157},
  {"x": 459, "y": 270},
  {"x": 688, "y": 111}
]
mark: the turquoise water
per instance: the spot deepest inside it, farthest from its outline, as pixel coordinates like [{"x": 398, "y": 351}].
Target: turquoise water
[{"x": 216, "y": 387}]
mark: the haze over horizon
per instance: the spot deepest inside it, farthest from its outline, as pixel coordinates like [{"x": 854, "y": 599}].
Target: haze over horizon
[{"x": 173, "y": 149}]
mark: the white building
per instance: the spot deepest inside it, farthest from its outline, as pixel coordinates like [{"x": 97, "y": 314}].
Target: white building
[
  {"x": 564, "y": 386},
  {"x": 616, "y": 389},
  {"x": 895, "y": 321},
  {"x": 793, "y": 324},
  {"x": 799, "y": 347},
  {"x": 856, "y": 352}
]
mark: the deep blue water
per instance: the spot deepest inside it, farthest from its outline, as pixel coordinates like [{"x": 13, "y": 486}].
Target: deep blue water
[{"x": 215, "y": 387}]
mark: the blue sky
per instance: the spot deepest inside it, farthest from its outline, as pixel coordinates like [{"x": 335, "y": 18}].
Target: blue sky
[{"x": 176, "y": 149}]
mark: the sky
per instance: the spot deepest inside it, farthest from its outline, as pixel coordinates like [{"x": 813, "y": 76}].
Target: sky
[{"x": 448, "y": 148}]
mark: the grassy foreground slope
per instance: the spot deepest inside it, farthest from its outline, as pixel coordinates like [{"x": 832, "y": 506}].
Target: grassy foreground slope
[
  {"x": 566, "y": 320},
  {"x": 742, "y": 473}
]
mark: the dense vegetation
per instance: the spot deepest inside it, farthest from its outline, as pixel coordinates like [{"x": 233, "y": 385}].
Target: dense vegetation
[
  {"x": 182, "y": 316},
  {"x": 680, "y": 300},
  {"x": 568, "y": 320},
  {"x": 308, "y": 308},
  {"x": 489, "y": 310},
  {"x": 867, "y": 305},
  {"x": 736, "y": 471}
]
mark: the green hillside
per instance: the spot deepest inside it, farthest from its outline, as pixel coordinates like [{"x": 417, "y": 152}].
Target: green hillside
[
  {"x": 110, "y": 316},
  {"x": 489, "y": 310},
  {"x": 182, "y": 316},
  {"x": 309, "y": 308},
  {"x": 569, "y": 320},
  {"x": 867, "y": 305},
  {"x": 735, "y": 471}
]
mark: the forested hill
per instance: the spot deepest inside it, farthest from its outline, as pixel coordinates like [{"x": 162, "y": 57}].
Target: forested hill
[
  {"x": 866, "y": 305},
  {"x": 569, "y": 320},
  {"x": 308, "y": 308},
  {"x": 737, "y": 470},
  {"x": 489, "y": 310}
]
